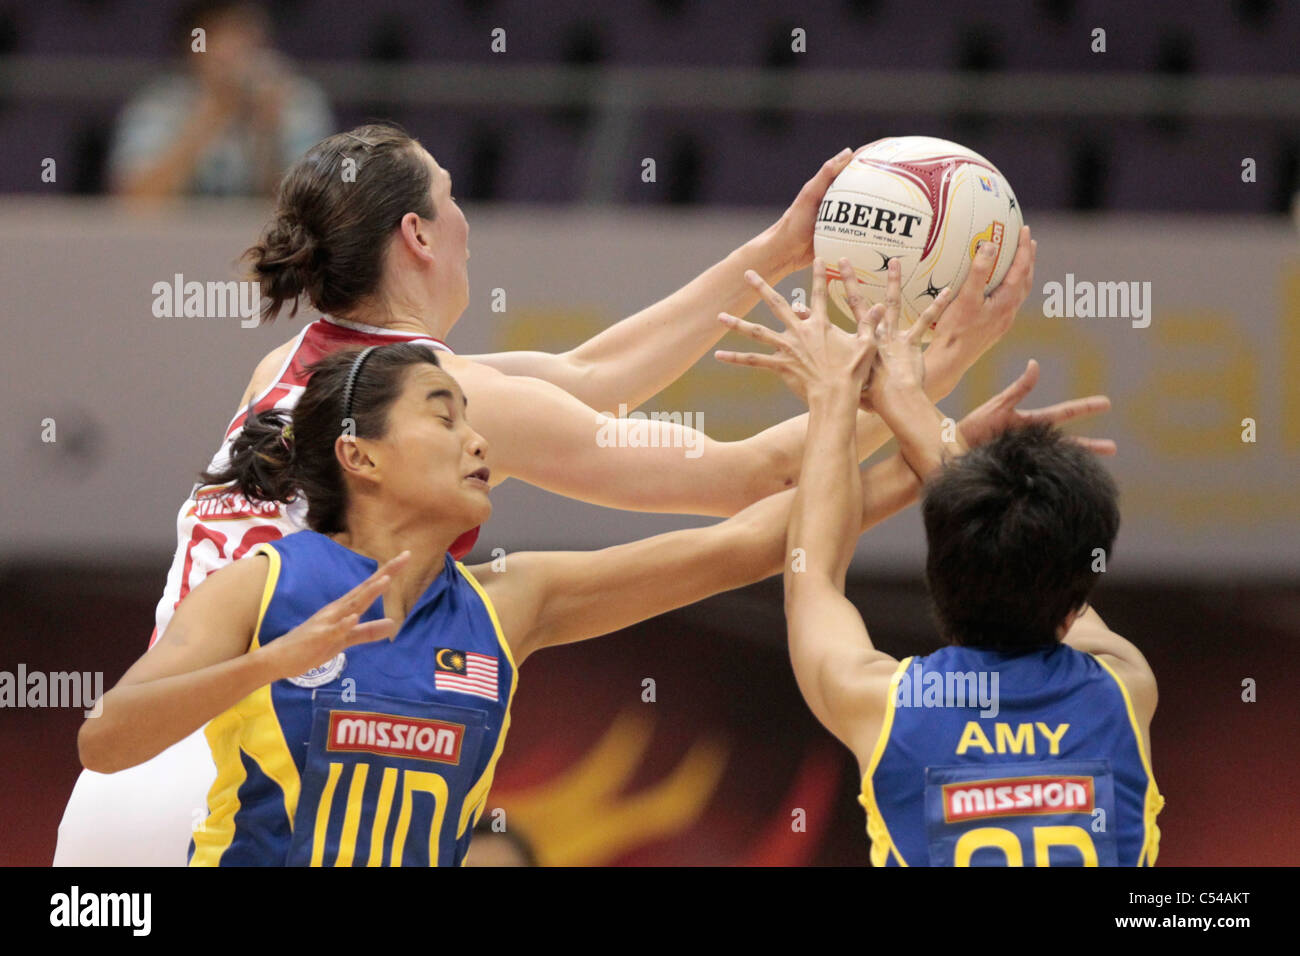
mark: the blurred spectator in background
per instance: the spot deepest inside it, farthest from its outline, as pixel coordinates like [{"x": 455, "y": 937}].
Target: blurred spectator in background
[
  {"x": 227, "y": 127},
  {"x": 490, "y": 847}
]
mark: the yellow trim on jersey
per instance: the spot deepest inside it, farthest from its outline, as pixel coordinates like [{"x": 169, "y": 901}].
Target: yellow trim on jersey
[
  {"x": 476, "y": 798},
  {"x": 217, "y": 832},
  {"x": 1153, "y": 802},
  {"x": 881, "y": 842},
  {"x": 252, "y": 727},
  {"x": 387, "y": 786},
  {"x": 323, "y": 819},
  {"x": 352, "y": 815}
]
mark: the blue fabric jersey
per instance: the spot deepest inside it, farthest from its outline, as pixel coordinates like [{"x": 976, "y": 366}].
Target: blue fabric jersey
[
  {"x": 995, "y": 759},
  {"x": 382, "y": 756}
]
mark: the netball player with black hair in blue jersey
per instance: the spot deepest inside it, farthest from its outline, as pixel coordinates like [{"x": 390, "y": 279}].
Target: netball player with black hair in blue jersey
[
  {"x": 357, "y": 677},
  {"x": 1025, "y": 741}
]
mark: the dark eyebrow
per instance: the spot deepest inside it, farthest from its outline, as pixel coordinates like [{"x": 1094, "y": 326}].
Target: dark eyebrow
[{"x": 447, "y": 394}]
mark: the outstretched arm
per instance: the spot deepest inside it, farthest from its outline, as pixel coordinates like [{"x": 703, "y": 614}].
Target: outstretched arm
[
  {"x": 546, "y": 437},
  {"x": 638, "y": 357},
  {"x": 558, "y": 597},
  {"x": 841, "y": 675}
]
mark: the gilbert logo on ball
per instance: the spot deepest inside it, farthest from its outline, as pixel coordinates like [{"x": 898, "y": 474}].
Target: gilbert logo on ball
[{"x": 924, "y": 201}]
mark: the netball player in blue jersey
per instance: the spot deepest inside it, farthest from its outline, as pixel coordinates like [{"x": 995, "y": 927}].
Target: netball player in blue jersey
[
  {"x": 1025, "y": 741},
  {"x": 333, "y": 745}
]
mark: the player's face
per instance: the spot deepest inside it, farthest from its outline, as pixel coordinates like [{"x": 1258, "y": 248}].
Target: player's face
[
  {"x": 431, "y": 462},
  {"x": 450, "y": 238}
]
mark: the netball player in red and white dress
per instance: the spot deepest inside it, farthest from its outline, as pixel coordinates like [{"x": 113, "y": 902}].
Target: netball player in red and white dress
[{"x": 382, "y": 254}]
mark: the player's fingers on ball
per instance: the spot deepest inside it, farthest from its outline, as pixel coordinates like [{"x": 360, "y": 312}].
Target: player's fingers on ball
[
  {"x": 981, "y": 271},
  {"x": 1023, "y": 260},
  {"x": 835, "y": 165},
  {"x": 1021, "y": 273},
  {"x": 982, "y": 268}
]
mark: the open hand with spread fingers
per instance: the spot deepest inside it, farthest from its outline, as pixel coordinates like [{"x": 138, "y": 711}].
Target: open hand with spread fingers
[
  {"x": 813, "y": 354},
  {"x": 999, "y": 414},
  {"x": 336, "y": 626},
  {"x": 899, "y": 364}
]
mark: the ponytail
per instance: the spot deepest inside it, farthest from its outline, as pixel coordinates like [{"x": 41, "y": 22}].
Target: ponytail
[
  {"x": 272, "y": 462},
  {"x": 261, "y": 462}
]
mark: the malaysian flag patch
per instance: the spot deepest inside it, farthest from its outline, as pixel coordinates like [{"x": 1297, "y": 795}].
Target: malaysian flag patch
[{"x": 465, "y": 672}]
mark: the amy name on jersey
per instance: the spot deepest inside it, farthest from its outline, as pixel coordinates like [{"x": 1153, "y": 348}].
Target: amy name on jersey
[{"x": 207, "y": 300}]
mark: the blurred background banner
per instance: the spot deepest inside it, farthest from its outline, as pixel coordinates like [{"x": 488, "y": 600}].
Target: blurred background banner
[
  {"x": 604, "y": 156},
  {"x": 1206, "y": 410}
]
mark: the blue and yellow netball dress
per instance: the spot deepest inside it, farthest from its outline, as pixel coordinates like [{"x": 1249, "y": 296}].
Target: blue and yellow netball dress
[
  {"x": 994, "y": 759},
  {"x": 382, "y": 756}
]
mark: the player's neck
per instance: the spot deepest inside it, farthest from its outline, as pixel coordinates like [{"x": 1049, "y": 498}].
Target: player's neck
[
  {"x": 401, "y": 319},
  {"x": 381, "y": 541}
]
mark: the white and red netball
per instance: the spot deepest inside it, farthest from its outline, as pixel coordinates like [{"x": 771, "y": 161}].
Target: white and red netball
[{"x": 925, "y": 201}]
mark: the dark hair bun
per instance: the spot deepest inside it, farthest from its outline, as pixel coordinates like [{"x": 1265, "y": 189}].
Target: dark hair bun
[{"x": 286, "y": 261}]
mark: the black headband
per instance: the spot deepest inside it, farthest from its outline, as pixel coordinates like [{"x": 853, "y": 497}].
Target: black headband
[{"x": 352, "y": 380}]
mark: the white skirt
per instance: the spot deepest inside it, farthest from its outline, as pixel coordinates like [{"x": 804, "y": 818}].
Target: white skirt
[{"x": 143, "y": 816}]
